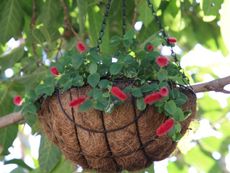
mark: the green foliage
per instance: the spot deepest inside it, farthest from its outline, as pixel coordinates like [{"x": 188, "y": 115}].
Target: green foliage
[
  {"x": 84, "y": 70},
  {"x": 20, "y": 163},
  {"x": 11, "y": 19},
  {"x": 49, "y": 156},
  {"x": 170, "y": 107},
  {"x": 7, "y": 135},
  {"x": 190, "y": 22}
]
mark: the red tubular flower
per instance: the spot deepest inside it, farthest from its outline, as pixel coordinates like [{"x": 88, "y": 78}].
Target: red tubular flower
[
  {"x": 149, "y": 47},
  {"x": 171, "y": 40},
  {"x": 81, "y": 47},
  {"x": 18, "y": 100},
  {"x": 161, "y": 131},
  {"x": 152, "y": 98},
  {"x": 78, "y": 101},
  {"x": 165, "y": 127},
  {"x": 164, "y": 91},
  {"x": 54, "y": 71},
  {"x": 169, "y": 123},
  {"x": 117, "y": 92},
  {"x": 162, "y": 61}
]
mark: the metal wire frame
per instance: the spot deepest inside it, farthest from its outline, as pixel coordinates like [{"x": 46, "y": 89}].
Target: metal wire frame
[{"x": 111, "y": 155}]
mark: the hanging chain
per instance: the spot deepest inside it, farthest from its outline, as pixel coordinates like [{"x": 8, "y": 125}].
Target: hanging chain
[
  {"x": 158, "y": 21},
  {"x": 123, "y": 17},
  {"x": 164, "y": 35},
  {"x": 103, "y": 26}
]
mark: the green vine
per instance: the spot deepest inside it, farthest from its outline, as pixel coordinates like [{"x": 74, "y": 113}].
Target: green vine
[{"x": 136, "y": 66}]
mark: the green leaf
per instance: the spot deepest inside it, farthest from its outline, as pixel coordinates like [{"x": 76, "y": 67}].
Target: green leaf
[
  {"x": 18, "y": 170},
  {"x": 210, "y": 8},
  {"x": 99, "y": 106},
  {"x": 94, "y": 25},
  {"x": 95, "y": 93},
  {"x": 178, "y": 166},
  {"x": 150, "y": 169},
  {"x": 29, "y": 111},
  {"x": 78, "y": 81},
  {"x": 176, "y": 129},
  {"x": 174, "y": 133},
  {"x": 172, "y": 16},
  {"x": 181, "y": 99},
  {"x": 140, "y": 104},
  {"x": 162, "y": 75},
  {"x": 103, "y": 104},
  {"x": 129, "y": 35},
  {"x": 128, "y": 89},
  {"x": 11, "y": 20},
  {"x": 178, "y": 115},
  {"x": 115, "y": 40},
  {"x": 68, "y": 80},
  {"x": 64, "y": 166},
  {"x": 19, "y": 162},
  {"x": 115, "y": 68},
  {"x": 145, "y": 14},
  {"x": 131, "y": 72},
  {"x": 94, "y": 18},
  {"x": 93, "y": 79},
  {"x": 9, "y": 59},
  {"x": 48, "y": 90},
  {"x": 82, "y": 7},
  {"x": 92, "y": 68},
  {"x": 149, "y": 87},
  {"x": 170, "y": 107},
  {"x": 7, "y": 136},
  {"x": 207, "y": 161},
  {"x": 77, "y": 61},
  {"x": 104, "y": 83},
  {"x": 49, "y": 155},
  {"x": 50, "y": 16},
  {"x": 136, "y": 92},
  {"x": 85, "y": 106}
]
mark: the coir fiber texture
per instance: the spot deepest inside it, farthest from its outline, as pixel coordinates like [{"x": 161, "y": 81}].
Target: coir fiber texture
[{"x": 125, "y": 139}]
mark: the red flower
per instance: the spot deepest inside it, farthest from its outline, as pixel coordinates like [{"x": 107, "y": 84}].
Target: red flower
[
  {"x": 78, "y": 101},
  {"x": 54, "y": 71},
  {"x": 18, "y": 100},
  {"x": 162, "y": 61},
  {"x": 165, "y": 127},
  {"x": 152, "y": 98},
  {"x": 164, "y": 91},
  {"x": 149, "y": 47},
  {"x": 117, "y": 92},
  {"x": 171, "y": 40},
  {"x": 81, "y": 47}
]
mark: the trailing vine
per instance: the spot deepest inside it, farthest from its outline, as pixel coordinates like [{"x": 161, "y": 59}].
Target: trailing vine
[{"x": 151, "y": 77}]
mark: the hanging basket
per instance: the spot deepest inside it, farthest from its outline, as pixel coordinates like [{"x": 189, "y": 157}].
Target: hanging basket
[
  {"x": 108, "y": 115},
  {"x": 123, "y": 140}
]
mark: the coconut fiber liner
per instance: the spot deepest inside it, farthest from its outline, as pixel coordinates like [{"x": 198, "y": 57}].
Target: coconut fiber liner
[{"x": 125, "y": 139}]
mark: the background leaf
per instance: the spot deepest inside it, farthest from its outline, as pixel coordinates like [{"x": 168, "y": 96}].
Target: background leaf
[
  {"x": 11, "y": 19},
  {"x": 49, "y": 155}
]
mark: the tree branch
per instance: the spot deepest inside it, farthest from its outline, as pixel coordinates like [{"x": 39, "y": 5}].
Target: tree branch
[
  {"x": 9, "y": 119},
  {"x": 215, "y": 85}
]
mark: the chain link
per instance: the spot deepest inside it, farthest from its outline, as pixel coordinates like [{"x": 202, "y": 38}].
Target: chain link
[
  {"x": 157, "y": 18},
  {"x": 103, "y": 25},
  {"x": 164, "y": 35},
  {"x": 123, "y": 17}
]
